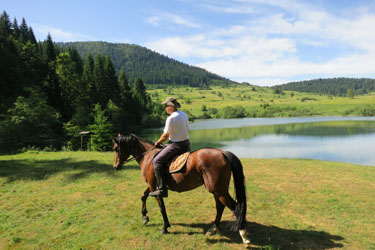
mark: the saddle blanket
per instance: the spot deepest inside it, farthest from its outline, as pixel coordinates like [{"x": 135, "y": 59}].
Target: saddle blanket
[{"x": 178, "y": 163}]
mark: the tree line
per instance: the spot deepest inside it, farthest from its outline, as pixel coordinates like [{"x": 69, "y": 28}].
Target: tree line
[
  {"x": 334, "y": 86},
  {"x": 50, "y": 93}
]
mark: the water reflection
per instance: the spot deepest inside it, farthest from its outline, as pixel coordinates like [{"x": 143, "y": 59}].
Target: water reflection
[
  {"x": 335, "y": 140},
  {"x": 354, "y": 149}
]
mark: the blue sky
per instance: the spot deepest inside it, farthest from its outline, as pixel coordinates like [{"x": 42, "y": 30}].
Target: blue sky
[{"x": 263, "y": 42}]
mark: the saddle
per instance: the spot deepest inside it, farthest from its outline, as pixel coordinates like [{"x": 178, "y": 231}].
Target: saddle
[{"x": 178, "y": 163}]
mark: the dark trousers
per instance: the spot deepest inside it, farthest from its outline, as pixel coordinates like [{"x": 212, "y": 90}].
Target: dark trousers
[{"x": 166, "y": 155}]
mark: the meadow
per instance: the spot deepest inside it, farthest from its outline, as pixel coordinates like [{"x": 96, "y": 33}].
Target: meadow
[
  {"x": 264, "y": 102},
  {"x": 75, "y": 200}
]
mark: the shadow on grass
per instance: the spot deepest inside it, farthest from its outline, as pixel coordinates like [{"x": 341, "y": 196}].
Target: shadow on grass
[
  {"x": 35, "y": 170},
  {"x": 272, "y": 237}
]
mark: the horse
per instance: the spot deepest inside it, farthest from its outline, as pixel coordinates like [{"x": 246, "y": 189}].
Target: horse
[{"x": 207, "y": 166}]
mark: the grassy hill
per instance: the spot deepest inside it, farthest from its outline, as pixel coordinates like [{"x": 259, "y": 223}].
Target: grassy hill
[
  {"x": 152, "y": 67},
  {"x": 264, "y": 102},
  {"x": 75, "y": 200}
]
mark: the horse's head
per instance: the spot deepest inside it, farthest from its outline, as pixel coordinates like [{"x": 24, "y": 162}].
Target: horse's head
[{"x": 122, "y": 146}]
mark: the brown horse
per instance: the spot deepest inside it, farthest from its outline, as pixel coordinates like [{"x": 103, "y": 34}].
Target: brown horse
[{"x": 208, "y": 166}]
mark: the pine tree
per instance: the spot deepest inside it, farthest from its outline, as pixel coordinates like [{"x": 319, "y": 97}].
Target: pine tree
[
  {"x": 68, "y": 84},
  {"x": 50, "y": 51},
  {"x": 87, "y": 83},
  {"x": 98, "y": 87},
  {"x": 125, "y": 89},
  {"x": 124, "y": 120},
  {"x": 16, "y": 29},
  {"x": 51, "y": 85},
  {"x": 31, "y": 36},
  {"x": 101, "y": 131},
  {"x": 110, "y": 87},
  {"x": 5, "y": 26},
  {"x": 24, "y": 31},
  {"x": 76, "y": 58}
]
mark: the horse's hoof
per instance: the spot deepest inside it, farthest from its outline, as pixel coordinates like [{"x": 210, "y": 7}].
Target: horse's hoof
[
  {"x": 165, "y": 231},
  {"x": 212, "y": 231},
  {"x": 244, "y": 236},
  {"x": 145, "y": 220}
]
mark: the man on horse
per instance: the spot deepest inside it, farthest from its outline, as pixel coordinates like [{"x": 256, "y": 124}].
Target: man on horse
[{"x": 177, "y": 131}]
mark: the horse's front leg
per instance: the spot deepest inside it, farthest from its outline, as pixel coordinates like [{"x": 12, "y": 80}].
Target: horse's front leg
[
  {"x": 164, "y": 214},
  {"x": 145, "y": 218}
]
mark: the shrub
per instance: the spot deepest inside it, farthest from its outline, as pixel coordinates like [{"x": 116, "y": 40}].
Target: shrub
[
  {"x": 233, "y": 112},
  {"x": 368, "y": 111}
]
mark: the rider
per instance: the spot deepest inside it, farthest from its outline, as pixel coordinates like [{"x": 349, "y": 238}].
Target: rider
[{"x": 177, "y": 131}]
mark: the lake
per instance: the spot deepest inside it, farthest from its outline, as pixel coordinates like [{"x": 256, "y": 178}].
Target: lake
[{"x": 344, "y": 139}]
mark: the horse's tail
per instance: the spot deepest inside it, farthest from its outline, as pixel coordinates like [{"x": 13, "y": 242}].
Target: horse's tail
[{"x": 239, "y": 185}]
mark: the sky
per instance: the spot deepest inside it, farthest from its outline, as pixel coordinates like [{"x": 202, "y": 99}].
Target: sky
[{"x": 262, "y": 42}]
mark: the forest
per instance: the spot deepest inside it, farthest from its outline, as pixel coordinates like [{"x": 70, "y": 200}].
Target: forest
[
  {"x": 49, "y": 94},
  {"x": 155, "y": 69},
  {"x": 334, "y": 86}
]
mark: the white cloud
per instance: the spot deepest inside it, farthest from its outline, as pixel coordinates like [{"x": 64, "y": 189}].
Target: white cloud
[
  {"x": 239, "y": 9},
  {"x": 167, "y": 18},
  {"x": 267, "y": 50},
  {"x": 58, "y": 34}
]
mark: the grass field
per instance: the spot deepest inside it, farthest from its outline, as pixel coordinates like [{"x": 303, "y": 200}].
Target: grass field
[
  {"x": 263, "y": 102},
  {"x": 74, "y": 200}
]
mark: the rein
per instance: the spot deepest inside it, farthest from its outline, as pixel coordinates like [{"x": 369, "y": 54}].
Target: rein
[{"x": 135, "y": 157}]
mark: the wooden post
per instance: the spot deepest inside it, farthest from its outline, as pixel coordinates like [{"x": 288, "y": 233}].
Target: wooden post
[{"x": 83, "y": 134}]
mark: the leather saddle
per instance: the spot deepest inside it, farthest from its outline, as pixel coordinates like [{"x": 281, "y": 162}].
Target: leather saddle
[{"x": 177, "y": 164}]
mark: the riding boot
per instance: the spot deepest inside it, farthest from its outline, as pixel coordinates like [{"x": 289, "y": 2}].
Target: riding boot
[{"x": 162, "y": 190}]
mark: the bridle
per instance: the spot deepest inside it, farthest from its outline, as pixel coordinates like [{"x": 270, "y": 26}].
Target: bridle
[{"x": 135, "y": 157}]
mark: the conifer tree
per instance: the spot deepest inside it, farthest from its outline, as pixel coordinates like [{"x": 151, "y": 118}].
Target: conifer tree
[
  {"x": 101, "y": 130},
  {"x": 24, "y": 31},
  {"x": 87, "y": 86},
  {"x": 16, "y": 29},
  {"x": 99, "y": 81},
  {"x": 68, "y": 82},
  {"x": 110, "y": 86},
  {"x": 76, "y": 58},
  {"x": 124, "y": 120},
  {"x": 50, "y": 51},
  {"x": 31, "y": 36},
  {"x": 51, "y": 85},
  {"x": 5, "y": 25}
]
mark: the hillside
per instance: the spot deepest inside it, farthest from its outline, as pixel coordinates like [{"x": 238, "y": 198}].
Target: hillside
[
  {"x": 333, "y": 86},
  {"x": 152, "y": 67}
]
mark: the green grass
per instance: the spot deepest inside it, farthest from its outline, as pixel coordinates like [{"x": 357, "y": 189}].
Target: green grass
[
  {"x": 278, "y": 105},
  {"x": 74, "y": 200}
]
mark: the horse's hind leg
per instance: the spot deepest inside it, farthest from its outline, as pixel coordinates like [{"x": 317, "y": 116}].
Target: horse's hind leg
[
  {"x": 222, "y": 200},
  {"x": 219, "y": 212},
  {"x": 145, "y": 218},
  {"x": 228, "y": 201}
]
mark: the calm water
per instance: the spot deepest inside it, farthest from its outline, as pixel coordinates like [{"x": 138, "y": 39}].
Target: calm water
[{"x": 344, "y": 139}]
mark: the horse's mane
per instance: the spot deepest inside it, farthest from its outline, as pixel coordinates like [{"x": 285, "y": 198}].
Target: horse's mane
[
  {"x": 142, "y": 139},
  {"x": 129, "y": 139}
]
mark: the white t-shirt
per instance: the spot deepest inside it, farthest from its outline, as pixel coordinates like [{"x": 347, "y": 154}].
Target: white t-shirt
[{"x": 177, "y": 126}]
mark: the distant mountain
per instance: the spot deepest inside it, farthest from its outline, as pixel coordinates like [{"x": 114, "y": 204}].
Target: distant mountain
[
  {"x": 151, "y": 67},
  {"x": 333, "y": 86}
]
